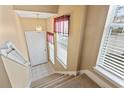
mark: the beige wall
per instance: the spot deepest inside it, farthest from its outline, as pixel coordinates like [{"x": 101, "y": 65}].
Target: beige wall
[
  {"x": 93, "y": 33},
  {"x": 10, "y": 30},
  {"x": 77, "y": 22},
  {"x": 50, "y": 24},
  {"x": 4, "y": 80},
  {"x": 29, "y": 24},
  {"x": 21, "y": 36},
  {"x": 37, "y": 8},
  {"x": 95, "y": 22}
]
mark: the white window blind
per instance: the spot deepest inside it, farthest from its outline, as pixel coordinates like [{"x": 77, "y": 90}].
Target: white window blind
[
  {"x": 111, "y": 55},
  {"x": 62, "y": 43}
]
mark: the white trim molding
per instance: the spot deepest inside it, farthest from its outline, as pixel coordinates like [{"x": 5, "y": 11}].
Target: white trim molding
[
  {"x": 30, "y": 77},
  {"x": 67, "y": 72},
  {"x": 95, "y": 78},
  {"x": 29, "y": 84},
  {"x": 61, "y": 63},
  {"x": 107, "y": 76},
  {"x": 90, "y": 74}
]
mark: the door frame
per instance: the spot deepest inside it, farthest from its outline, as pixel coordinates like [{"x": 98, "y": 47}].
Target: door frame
[{"x": 28, "y": 47}]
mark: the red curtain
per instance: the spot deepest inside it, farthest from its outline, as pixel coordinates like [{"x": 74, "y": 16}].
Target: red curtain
[
  {"x": 50, "y": 37},
  {"x": 61, "y": 24}
]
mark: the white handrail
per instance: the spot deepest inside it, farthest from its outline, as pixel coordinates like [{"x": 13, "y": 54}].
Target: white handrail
[{"x": 9, "y": 51}]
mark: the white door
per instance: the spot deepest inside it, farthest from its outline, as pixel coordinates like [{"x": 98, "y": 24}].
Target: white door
[{"x": 36, "y": 42}]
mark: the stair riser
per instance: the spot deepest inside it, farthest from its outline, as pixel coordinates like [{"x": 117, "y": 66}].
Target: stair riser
[
  {"x": 59, "y": 82},
  {"x": 48, "y": 83}
]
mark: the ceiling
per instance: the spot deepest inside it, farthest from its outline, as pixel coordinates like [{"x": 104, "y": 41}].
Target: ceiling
[{"x": 30, "y": 14}]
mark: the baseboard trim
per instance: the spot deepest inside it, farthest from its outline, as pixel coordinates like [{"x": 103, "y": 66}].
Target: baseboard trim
[
  {"x": 67, "y": 72},
  {"x": 95, "y": 78}
]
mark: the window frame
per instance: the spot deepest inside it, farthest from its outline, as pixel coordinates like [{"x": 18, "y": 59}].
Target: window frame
[
  {"x": 109, "y": 23},
  {"x": 60, "y": 61},
  {"x": 49, "y": 45},
  {"x": 59, "y": 23}
]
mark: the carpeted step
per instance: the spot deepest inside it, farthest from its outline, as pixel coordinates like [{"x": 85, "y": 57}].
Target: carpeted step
[
  {"x": 60, "y": 81},
  {"x": 82, "y": 81},
  {"x": 45, "y": 80},
  {"x": 52, "y": 81}
]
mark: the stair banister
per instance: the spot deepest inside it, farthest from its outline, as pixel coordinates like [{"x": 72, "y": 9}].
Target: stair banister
[{"x": 8, "y": 50}]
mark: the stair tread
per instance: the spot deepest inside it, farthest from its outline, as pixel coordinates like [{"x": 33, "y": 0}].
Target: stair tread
[
  {"x": 59, "y": 82},
  {"x": 82, "y": 81},
  {"x": 65, "y": 81},
  {"x": 52, "y": 81},
  {"x": 45, "y": 79}
]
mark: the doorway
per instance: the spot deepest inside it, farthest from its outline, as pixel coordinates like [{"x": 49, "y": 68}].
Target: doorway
[
  {"x": 37, "y": 47},
  {"x": 35, "y": 25}
]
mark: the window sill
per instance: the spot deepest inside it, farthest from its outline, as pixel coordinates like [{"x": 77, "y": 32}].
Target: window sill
[
  {"x": 109, "y": 76},
  {"x": 65, "y": 66},
  {"x": 52, "y": 62}
]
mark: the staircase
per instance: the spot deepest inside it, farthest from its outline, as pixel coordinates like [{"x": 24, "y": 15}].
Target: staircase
[{"x": 64, "y": 81}]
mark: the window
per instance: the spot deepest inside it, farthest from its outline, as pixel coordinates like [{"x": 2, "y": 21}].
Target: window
[
  {"x": 50, "y": 37},
  {"x": 111, "y": 55},
  {"x": 61, "y": 29}
]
